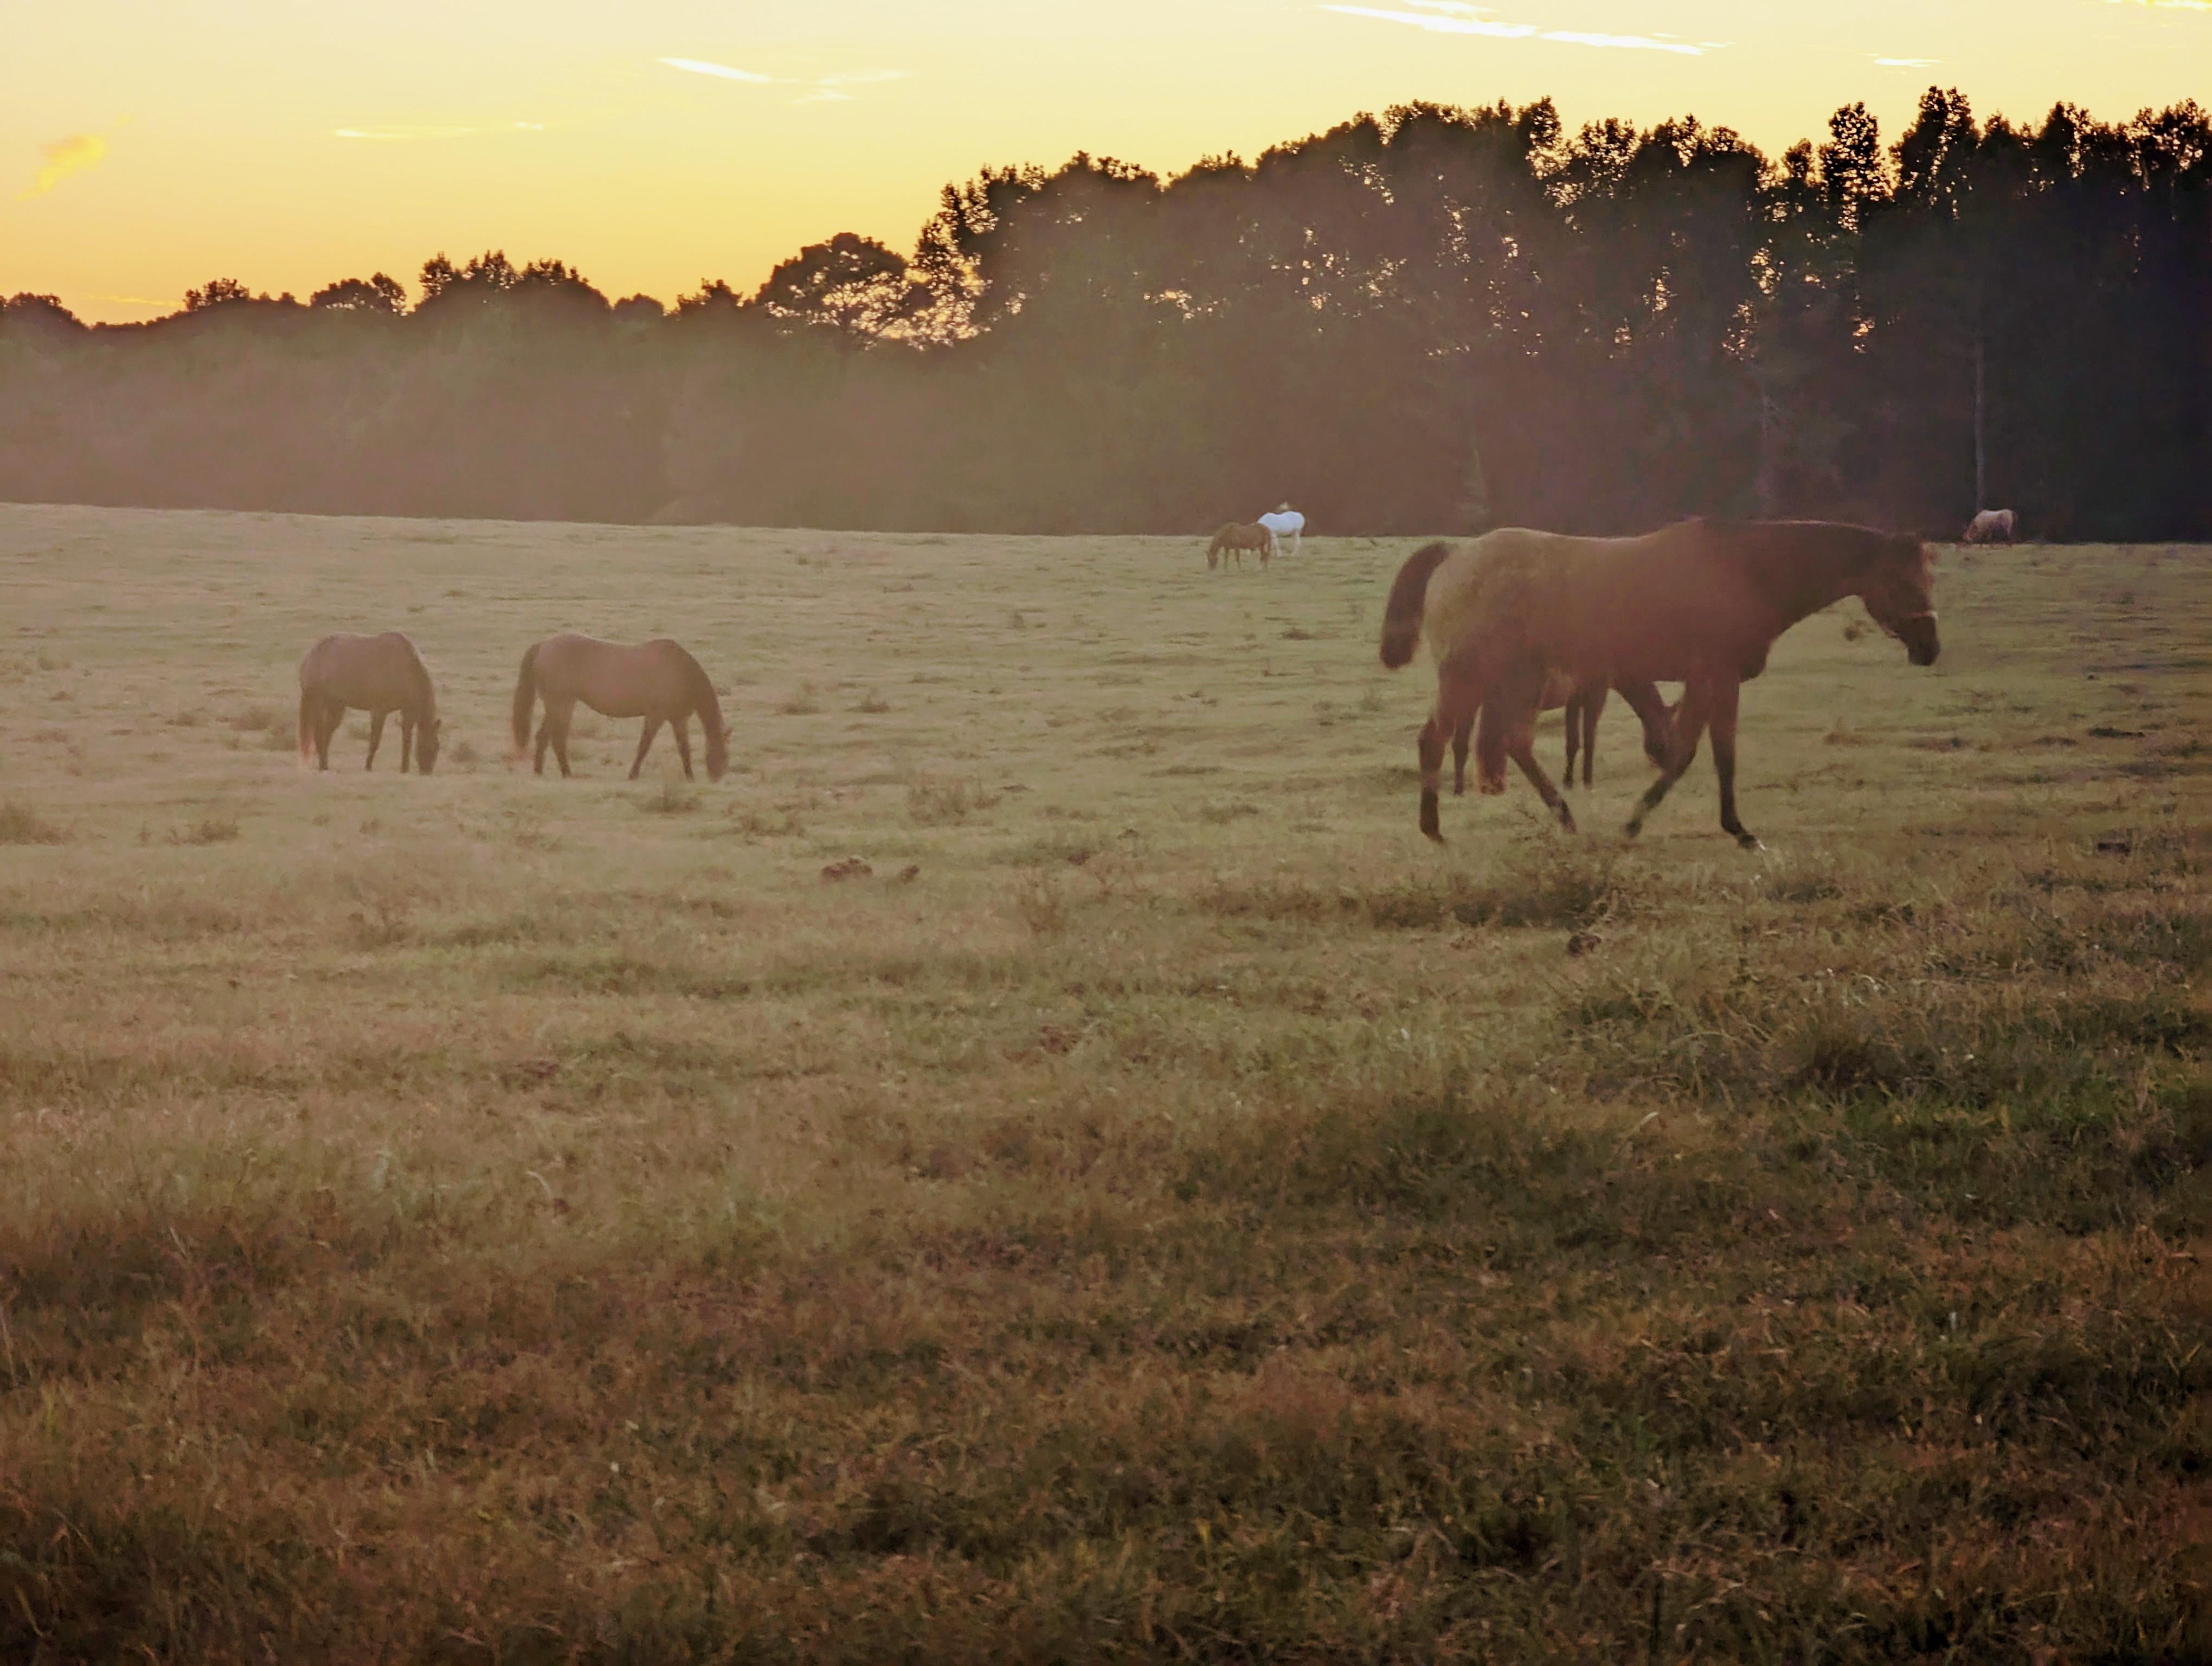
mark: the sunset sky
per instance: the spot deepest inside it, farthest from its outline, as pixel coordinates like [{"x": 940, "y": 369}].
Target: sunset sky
[{"x": 150, "y": 146}]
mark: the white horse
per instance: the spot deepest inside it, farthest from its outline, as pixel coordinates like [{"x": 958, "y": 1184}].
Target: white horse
[
  {"x": 1989, "y": 526},
  {"x": 1283, "y": 522}
]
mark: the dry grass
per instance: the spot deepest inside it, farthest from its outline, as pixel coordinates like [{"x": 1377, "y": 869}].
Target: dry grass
[{"x": 487, "y": 1217}]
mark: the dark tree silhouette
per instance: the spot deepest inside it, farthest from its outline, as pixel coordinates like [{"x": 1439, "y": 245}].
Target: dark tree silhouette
[
  {"x": 1433, "y": 318},
  {"x": 379, "y": 294}
]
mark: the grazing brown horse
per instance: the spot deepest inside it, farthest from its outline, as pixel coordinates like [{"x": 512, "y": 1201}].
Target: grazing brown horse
[
  {"x": 658, "y": 681},
  {"x": 1236, "y": 538},
  {"x": 1583, "y": 708},
  {"x": 1699, "y": 602},
  {"x": 380, "y": 675}
]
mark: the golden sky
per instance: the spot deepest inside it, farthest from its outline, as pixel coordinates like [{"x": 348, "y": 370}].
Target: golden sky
[{"x": 147, "y": 146}]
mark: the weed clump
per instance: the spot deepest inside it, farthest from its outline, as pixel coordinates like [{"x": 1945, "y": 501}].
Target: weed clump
[
  {"x": 208, "y": 830},
  {"x": 22, "y": 824},
  {"x": 933, "y": 802}
]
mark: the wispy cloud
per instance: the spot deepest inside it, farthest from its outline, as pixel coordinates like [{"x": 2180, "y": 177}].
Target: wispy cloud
[
  {"x": 403, "y": 133},
  {"x": 700, "y": 66},
  {"x": 1455, "y": 17},
  {"x": 64, "y": 157},
  {"x": 823, "y": 89}
]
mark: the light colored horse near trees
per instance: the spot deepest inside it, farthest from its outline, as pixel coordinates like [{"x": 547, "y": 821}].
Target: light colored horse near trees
[
  {"x": 1699, "y": 603},
  {"x": 380, "y": 675},
  {"x": 1236, "y": 538},
  {"x": 1990, "y": 526},
  {"x": 658, "y": 681},
  {"x": 1282, "y": 522}
]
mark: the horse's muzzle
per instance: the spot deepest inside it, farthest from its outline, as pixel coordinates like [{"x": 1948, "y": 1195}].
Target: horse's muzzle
[{"x": 1918, "y": 633}]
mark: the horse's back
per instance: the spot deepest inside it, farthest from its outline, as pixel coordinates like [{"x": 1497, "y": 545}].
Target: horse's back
[
  {"x": 364, "y": 671},
  {"x": 616, "y": 679}
]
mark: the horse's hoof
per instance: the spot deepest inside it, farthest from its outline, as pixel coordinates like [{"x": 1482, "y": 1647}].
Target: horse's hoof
[
  {"x": 1750, "y": 842},
  {"x": 1633, "y": 829}
]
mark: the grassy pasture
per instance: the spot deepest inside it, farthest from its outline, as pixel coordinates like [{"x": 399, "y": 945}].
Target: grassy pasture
[{"x": 1163, "y": 1209}]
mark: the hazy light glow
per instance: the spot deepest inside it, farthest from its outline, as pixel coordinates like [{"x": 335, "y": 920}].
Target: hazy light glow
[
  {"x": 1454, "y": 17},
  {"x": 660, "y": 143}
]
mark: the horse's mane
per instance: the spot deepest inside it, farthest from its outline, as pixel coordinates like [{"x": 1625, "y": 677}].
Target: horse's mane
[
  {"x": 709, "y": 708},
  {"x": 419, "y": 674}
]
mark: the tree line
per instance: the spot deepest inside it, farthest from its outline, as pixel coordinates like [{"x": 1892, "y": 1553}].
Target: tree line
[{"x": 1436, "y": 319}]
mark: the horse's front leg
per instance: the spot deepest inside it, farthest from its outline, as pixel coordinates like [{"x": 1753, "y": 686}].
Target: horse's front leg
[
  {"x": 1689, "y": 724},
  {"x": 644, "y": 745},
  {"x": 406, "y": 740},
  {"x": 1651, "y": 712},
  {"x": 375, "y": 736},
  {"x": 1726, "y": 692},
  {"x": 1461, "y": 736},
  {"x": 682, "y": 730},
  {"x": 1519, "y": 723},
  {"x": 1593, "y": 708}
]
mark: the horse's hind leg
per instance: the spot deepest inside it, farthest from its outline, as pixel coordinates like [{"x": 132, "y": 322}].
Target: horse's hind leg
[
  {"x": 682, "y": 730},
  {"x": 326, "y": 717},
  {"x": 375, "y": 736},
  {"x": 561, "y": 736},
  {"x": 553, "y": 731},
  {"x": 1459, "y": 693},
  {"x": 1689, "y": 726},
  {"x": 644, "y": 745},
  {"x": 1570, "y": 720},
  {"x": 1432, "y": 749},
  {"x": 1460, "y": 738}
]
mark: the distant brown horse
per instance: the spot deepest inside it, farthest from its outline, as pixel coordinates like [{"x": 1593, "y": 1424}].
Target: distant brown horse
[
  {"x": 1583, "y": 710},
  {"x": 1236, "y": 538},
  {"x": 1699, "y": 602},
  {"x": 658, "y": 681},
  {"x": 380, "y": 675}
]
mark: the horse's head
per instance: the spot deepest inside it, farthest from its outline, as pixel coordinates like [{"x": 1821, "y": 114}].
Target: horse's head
[
  {"x": 426, "y": 744},
  {"x": 1900, "y": 596},
  {"x": 718, "y": 753}
]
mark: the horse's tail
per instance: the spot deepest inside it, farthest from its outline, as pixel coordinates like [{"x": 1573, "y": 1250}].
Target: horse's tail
[
  {"x": 308, "y": 704},
  {"x": 1401, "y": 614},
  {"x": 710, "y": 717},
  {"x": 525, "y": 698}
]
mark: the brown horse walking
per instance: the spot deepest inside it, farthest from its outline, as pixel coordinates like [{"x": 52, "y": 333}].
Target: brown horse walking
[
  {"x": 1236, "y": 538},
  {"x": 380, "y": 675},
  {"x": 1699, "y": 602},
  {"x": 1584, "y": 707},
  {"x": 658, "y": 681}
]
